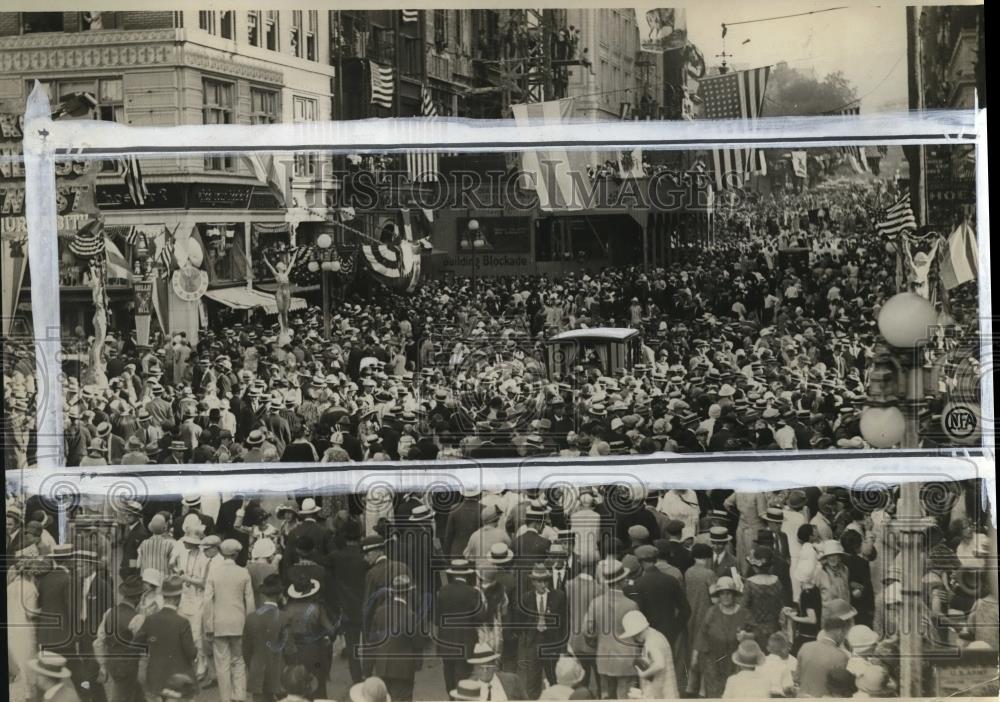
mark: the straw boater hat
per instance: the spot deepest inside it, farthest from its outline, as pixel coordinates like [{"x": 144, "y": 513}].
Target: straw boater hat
[
  {"x": 421, "y": 513},
  {"x": 467, "y": 690},
  {"x": 719, "y": 535},
  {"x": 612, "y": 571},
  {"x": 50, "y": 664},
  {"x": 500, "y": 553},
  {"x": 748, "y": 654},
  {"x": 482, "y": 653},
  {"x": 461, "y": 567},
  {"x": 774, "y": 514}
]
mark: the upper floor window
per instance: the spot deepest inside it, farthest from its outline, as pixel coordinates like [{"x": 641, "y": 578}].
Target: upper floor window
[
  {"x": 271, "y": 30},
  {"x": 218, "y": 108},
  {"x": 263, "y": 106},
  {"x": 35, "y": 22}
]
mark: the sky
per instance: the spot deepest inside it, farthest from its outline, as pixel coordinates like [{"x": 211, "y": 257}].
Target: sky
[{"x": 867, "y": 43}]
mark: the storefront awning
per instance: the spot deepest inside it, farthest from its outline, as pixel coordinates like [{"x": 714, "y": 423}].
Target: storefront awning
[{"x": 243, "y": 299}]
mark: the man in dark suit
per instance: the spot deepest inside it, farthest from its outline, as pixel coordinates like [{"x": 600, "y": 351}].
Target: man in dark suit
[
  {"x": 311, "y": 531},
  {"x": 167, "y": 635},
  {"x": 463, "y": 521},
  {"x": 381, "y": 573},
  {"x": 119, "y": 657},
  {"x": 135, "y": 533},
  {"x": 264, "y": 643},
  {"x": 530, "y": 547},
  {"x": 346, "y": 572},
  {"x": 677, "y": 555},
  {"x": 499, "y": 686},
  {"x": 663, "y": 599},
  {"x": 723, "y": 561},
  {"x": 92, "y": 601},
  {"x": 774, "y": 518},
  {"x": 457, "y": 611},
  {"x": 542, "y": 628},
  {"x": 56, "y": 621},
  {"x": 396, "y": 642}
]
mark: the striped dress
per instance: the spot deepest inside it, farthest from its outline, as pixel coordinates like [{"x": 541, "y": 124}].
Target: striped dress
[{"x": 155, "y": 552}]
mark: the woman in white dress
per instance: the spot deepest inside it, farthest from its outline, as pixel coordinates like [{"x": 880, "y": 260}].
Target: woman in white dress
[
  {"x": 681, "y": 505},
  {"x": 655, "y": 664}
]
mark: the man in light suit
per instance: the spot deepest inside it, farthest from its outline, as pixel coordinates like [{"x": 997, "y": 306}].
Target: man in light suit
[
  {"x": 228, "y": 600},
  {"x": 498, "y": 686},
  {"x": 615, "y": 655}
]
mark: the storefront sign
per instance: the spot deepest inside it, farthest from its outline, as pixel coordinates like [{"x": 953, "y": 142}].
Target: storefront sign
[{"x": 171, "y": 196}]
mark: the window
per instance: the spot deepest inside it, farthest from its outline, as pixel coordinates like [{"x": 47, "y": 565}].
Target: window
[
  {"x": 263, "y": 106},
  {"x": 311, "y": 31},
  {"x": 440, "y": 27},
  {"x": 217, "y": 108},
  {"x": 35, "y": 22},
  {"x": 304, "y": 110},
  {"x": 382, "y": 48},
  {"x": 254, "y": 35},
  {"x": 109, "y": 93},
  {"x": 227, "y": 23},
  {"x": 271, "y": 30},
  {"x": 206, "y": 21},
  {"x": 409, "y": 59},
  {"x": 296, "y": 33}
]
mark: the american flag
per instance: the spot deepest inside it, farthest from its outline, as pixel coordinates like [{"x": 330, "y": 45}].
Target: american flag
[
  {"x": 422, "y": 166},
  {"x": 411, "y": 15},
  {"x": 165, "y": 257},
  {"x": 735, "y": 95},
  {"x": 131, "y": 173},
  {"x": 897, "y": 218},
  {"x": 851, "y": 151},
  {"x": 383, "y": 85}
]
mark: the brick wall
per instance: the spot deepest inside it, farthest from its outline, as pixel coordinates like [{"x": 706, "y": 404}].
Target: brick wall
[
  {"x": 10, "y": 25},
  {"x": 147, "y": 20}
]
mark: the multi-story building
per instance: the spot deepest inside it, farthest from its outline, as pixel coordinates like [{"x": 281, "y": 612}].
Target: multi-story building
[{"x": 159, "y": 69}]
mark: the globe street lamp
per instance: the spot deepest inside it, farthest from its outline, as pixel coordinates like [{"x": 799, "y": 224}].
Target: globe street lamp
[
  {"x": 905, "y": 322},
  {"x": 474, "y": 242},
  {"x": 324, "y": 242}
]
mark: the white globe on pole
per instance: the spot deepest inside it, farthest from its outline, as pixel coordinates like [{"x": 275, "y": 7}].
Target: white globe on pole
[
  {"x": 335, "y": 266},
  {"x": 883, "y": 427},
  {"x": 907, "y": 320},
  {"x": 313, "y": 266},
  {"x": 324, "y": 241}
]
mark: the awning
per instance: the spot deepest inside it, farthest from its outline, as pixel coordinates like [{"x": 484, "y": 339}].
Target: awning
[{"x": 240, "y": 298}]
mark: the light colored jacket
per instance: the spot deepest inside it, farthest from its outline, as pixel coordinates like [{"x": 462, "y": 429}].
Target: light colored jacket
[{"x": 228, "y": 599}]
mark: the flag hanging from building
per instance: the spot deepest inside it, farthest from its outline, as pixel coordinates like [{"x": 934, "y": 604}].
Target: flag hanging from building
[
  {"x": 735, "y": 95},
  {"x": 960, "y": 257},
  {"x": 383, "y": 85},
  {"x": 269, "y": 170},
  {"x": 422, "y": 166},
  {"x": 117, "y": 265},
  {"x": 131, "y": 173},
  {"x": 556, "y": 174},
  {"x": 89, "y": 241},
  {"x": 411, "y": 15},
  {"x": 855, "y": 155},
  {"x": 800, "y": 164},
  {"x": 897, "y": 218}
]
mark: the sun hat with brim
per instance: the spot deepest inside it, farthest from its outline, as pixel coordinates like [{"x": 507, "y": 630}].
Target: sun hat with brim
[
  {"x": 263, "y": 548},
  {"x": 482, "y": 653},
  {"x": 131, "y": 586},
  {"x": 500, "y": 553},
  {"x": 191, "y": 500},
  {"x": 831, "y": 547},
  {"x": 860, "y": 637},
  {"x": 302, "y": 590},
  {"x": 719, "y": 535},
  {"x": 210, "y": 541},
  {"x": 612, "y": 571},
  {"x": 748, "y": 654},
  {"x": 467, "y": 690},
  {"x": 282, "y": 510},
  {"x": 421, "y": 513},
  {"x": 724, "y": 584},
  {"x": 460, "y": 566},
  {"x": 192, "y": 539},
  {"x": 309, "y": 506},
  {"x": 50, "y": 664},
  {"x": 633, "y": 623},
  {"x": 359, "y": 692},
  {"x": 172, "y": 586}
]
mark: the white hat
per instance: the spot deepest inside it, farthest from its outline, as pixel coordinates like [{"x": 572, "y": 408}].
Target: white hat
[
  {"x": 633, "y": 623},
  {"x": 309, "y": 506},
  {"x": 263, "y": 548}
]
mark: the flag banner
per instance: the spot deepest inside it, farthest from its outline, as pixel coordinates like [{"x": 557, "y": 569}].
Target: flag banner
[
  {"x": 959, "y": 257},
  {"x": 897, "y": 218},
  {"x": 117, "y": 265},
  {"x": 273, "y": 173},
  {"x": 799, "y": 164},
  {"x": 735, "y": 95},
  {"x": 661, "y": 29},
  {"x": 131, "y": 173},
  {"x": 554, "y": 173},
  {"x": 395, "y": 261},
  {"x": 89, "y": 241},
  {"x": 422, "y": 166},
  {"x": 382, "y": 84}
]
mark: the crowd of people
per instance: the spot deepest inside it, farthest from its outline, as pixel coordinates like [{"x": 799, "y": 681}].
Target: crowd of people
[
  {"x": 743, "y": 348},
  {"x": 607, "y": 592}
]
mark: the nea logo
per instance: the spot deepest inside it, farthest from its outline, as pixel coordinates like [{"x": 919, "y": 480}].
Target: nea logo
[{"x": 960, "y": 422}]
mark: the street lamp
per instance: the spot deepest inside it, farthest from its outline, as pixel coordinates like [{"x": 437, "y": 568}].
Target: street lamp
[
  {"x": 905, "y": 322},
  {"x": 325, "y": 243},
  {"x": 474, "y": 242}
]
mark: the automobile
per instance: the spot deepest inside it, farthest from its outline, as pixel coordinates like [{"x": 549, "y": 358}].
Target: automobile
[{"x": 606, "y": 348}]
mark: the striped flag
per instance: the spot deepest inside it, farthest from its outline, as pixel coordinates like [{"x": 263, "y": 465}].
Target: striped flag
[
  {"x": 735, "y": 95},
  {"x": 960, "y": 258},
  {"x": 855, "y": 155},
  {"x": 131, "y": 173},
  {"x": 117, "y": 266},
  {"x": 383, "y": 85},
  {"x": 422, "y": 166},
  {"x": 165, "y": 256},
  {"x": 898, "y": 217},
  {"x": 89, "y": 241},
  {"x": 411, "y": 15}
]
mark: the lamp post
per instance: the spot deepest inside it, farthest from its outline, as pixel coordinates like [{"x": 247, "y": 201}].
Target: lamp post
[
  {"x": 325, "y": 266},
  {"x": 474, "y": 242},
  {"x": 905, "y": 322}
]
